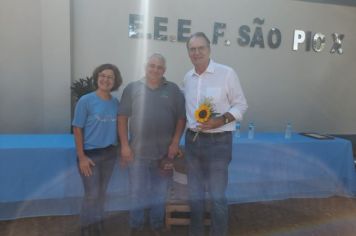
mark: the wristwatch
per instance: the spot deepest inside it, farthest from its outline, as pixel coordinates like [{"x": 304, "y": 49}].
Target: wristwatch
[{"x": 226, "y": 119}]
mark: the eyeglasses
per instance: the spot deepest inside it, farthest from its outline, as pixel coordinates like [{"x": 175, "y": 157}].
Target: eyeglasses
[
  {"x": 197, "y": 49},
  {"x": 109, "y": 77}
]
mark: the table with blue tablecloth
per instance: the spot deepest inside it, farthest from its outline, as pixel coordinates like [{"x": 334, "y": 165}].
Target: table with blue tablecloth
[
  {"x": 270, "y": 167},
  {"x": 39, "y": 176}
]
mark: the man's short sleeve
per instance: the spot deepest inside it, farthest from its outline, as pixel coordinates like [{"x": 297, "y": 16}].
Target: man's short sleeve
[
  {"x": 126, "y": 101},
  {"x": 179, "y": 100},
  {"x": 180, "y": 104}
]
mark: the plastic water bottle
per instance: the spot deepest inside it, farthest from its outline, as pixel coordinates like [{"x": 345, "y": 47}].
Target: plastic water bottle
[
  {"x": 288, "y": 131},
  {"x": 238, "y": 130},
  {"x": 251, "y": 131}
]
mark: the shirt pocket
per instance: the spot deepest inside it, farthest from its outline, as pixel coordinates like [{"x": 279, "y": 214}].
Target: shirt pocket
[{"x": 214, "y": 93}]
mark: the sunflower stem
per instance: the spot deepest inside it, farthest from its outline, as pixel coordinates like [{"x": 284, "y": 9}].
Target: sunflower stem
[{"x": 195, "y": 136}]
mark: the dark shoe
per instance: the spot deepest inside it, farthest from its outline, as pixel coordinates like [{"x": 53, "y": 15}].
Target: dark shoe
[
  {"x": 84, "y": 231},
  {"x": 136, "y": 232},
  {"x": 89, "y": 230},
  {"x": 157, "y": 232},
  {"x": 92, "y": 230},
  {"x": 99, "y": 229},
  {"x": 96, "y": 230}
]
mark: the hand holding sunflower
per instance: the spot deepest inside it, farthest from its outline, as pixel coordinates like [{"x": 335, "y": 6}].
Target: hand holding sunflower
[{"x": 204, "y": 112}]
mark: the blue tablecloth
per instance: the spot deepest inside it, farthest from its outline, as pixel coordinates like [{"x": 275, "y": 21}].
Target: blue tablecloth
[
  {"x": 270, "y": 167},
  {"x": 39, "y": 176},
  {"x": 38, "y": 173}
]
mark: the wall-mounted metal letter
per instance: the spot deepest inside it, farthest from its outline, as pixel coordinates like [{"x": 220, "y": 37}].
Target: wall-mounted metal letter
[
  {"x": 183, "y": 30},
  {"x": 218, "y": 31},
  {"x": 135, "y": 24},
  {"x": 318, "y": 42},
  {"x": 337, "y": 43},
  {"x": 299, "y": 37},
  {"x": 158, "y": 28},
  {"x": 274, "y": 33},
  {"x": 244, "y": 38},
  {"x": 257, "y": 38},
  {"x": 308, "y": 40}
]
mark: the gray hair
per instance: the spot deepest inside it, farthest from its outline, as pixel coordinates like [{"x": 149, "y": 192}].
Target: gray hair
[
  {"x": 198, "y": 35},
  {"x": 158, "y": 56}
]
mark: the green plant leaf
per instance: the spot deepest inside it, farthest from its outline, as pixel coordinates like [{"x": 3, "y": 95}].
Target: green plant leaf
[{"x": 81, "y": 87}]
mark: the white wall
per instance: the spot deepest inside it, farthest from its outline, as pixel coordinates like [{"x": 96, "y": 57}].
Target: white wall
[
  {"x": 56, "y": 65},
  {"x": 34, "y": 66},
  {"x": 314, "y": 91},
  {"x": 43, "y": 42},
  {"x": 21, "y": 101}
]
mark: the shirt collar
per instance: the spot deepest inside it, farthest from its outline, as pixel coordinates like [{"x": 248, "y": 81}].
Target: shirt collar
[
  {"x": 210, "y": 69},
  {"x": 163, "y": 82}
]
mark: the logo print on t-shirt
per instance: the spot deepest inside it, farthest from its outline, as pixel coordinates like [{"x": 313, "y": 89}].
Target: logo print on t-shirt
[{"x": 105, "y": 118}]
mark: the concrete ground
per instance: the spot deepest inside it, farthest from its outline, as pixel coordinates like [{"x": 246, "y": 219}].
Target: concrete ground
[{"x": 334, "y": 216}]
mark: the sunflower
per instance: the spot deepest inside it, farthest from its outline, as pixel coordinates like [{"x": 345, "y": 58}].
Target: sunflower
[{"x": 203, "y": 113}]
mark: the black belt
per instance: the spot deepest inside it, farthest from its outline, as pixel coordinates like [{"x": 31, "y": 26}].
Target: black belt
[
  {"x": 96, "y": 150},
  {"x": 208, "y": 134}
]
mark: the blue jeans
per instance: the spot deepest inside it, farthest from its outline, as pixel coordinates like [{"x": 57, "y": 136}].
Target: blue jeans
[
  {"x": 95, "y": 185},
  {"x": 148, "y": 189},
  {"x": 208, "y": 159}
]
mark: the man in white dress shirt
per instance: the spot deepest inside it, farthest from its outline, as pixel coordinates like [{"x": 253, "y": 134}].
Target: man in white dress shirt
[{"x": 209, "y": 144}]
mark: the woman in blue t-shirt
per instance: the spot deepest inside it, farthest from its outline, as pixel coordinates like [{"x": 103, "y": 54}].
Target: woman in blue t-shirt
[{"x": 95, "y": 133}]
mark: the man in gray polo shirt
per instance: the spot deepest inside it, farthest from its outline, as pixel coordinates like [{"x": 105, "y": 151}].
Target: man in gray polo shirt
[{"x": 152, "y": 114}]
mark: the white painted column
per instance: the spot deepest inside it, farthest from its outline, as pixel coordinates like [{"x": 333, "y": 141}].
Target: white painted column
[{"x": 56, "y": 65}]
